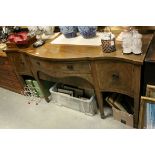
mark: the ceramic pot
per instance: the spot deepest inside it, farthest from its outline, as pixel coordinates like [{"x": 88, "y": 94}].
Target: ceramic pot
[
  {"x": 41, "y": 32},
  {"x": 87, "y": 31},
  {"x": 127, "y": 41},
  {"x": 136, "y": 42},
  {"x": 68, "y": 31},
  {"x": 47, "y": 30}
]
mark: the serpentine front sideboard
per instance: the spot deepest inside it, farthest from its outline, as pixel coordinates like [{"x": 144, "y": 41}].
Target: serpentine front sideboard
[{"x": 85, "y": 66}]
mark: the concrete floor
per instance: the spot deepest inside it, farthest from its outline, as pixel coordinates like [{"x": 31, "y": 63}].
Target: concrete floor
[{"x": 15, "y": 112}]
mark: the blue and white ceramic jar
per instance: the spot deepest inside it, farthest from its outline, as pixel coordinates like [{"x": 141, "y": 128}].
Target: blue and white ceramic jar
[
  {"x": 68, "y": 31},
  {"x": 87, "y": 31}
]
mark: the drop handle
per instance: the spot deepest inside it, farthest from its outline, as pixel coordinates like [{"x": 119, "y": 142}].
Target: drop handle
[
  {"x": 70, "y": 67},
  {"x": 115, "y": 76}
]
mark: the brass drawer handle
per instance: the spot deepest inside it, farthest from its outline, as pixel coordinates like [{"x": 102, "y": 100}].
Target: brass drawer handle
[
  {"x": 70, "y": 67},
  {"x": 115, "y": 76}
]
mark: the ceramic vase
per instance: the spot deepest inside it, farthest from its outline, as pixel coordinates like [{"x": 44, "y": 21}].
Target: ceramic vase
[
  {"x": 87, "y": 31},
  {"x": 127, "y": 42},
  {"x": 68, "y": 31},
  {"x": 41, "y": 32},
  {"x": 136, "y": 42},
  {"x": 33, "y": 30},
  {"x": 47, "y": 32}
]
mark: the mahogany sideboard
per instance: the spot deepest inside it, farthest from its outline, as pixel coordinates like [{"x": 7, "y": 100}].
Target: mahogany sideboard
[{"x": 86, "y": 66}]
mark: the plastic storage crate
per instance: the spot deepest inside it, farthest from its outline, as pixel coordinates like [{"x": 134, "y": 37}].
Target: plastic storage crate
[{"x": 87, "y": 106}]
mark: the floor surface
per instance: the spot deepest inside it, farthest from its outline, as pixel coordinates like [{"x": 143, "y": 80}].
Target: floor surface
[{"x": 16, "y": 113}]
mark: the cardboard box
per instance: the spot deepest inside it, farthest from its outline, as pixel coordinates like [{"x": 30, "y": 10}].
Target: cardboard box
[{"x": 123, "y": 117}]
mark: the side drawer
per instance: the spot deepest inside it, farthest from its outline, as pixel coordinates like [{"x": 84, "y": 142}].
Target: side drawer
[{"x": 115, "y": 76}]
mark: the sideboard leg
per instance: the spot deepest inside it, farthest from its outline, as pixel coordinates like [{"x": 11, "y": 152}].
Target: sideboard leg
[
  {"x": 136, "y": 110},
  {"x": 97, "y": 90},
  {"x": 137, "y": 74},
  {"x": 100, "y": 103},
  {"x": 103, "y": 115}
]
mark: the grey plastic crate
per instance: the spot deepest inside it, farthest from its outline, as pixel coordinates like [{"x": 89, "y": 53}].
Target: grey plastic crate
[{"x": 87, "y": 106}]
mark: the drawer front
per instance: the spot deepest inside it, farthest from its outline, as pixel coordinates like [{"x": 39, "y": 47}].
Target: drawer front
[
  {"x": 115, "y": 76},
  {"x": 62, "y": 67},
  {"x": 20, "y": 63},
  {"x": 5, "y": 64}
]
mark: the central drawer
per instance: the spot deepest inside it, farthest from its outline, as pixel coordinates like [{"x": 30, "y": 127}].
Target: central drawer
[
  {"x": 115, "y": 76},
  {"x": 63, "y": 67}
]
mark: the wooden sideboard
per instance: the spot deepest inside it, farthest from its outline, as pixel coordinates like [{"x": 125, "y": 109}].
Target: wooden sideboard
[
  {"x": 8, "y": 78},
  {"x": 85, "y": 66}
]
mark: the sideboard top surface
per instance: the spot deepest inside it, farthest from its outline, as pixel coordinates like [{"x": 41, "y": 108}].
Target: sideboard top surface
[{"x": 59, "y": 52}]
